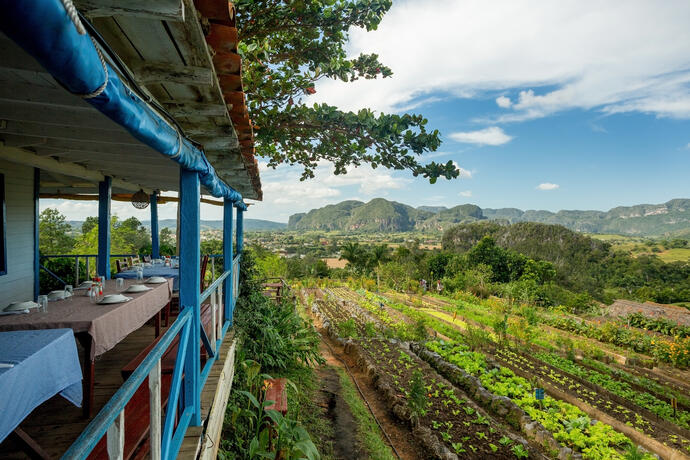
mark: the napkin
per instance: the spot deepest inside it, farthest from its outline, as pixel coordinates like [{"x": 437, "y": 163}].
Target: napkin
[{"x": 16, "y": 312}]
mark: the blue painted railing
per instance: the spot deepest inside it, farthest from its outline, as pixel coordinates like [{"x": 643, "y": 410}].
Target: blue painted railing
[
  {"x": 171, "y": 435},
  {"x": 114, "y": 408}
]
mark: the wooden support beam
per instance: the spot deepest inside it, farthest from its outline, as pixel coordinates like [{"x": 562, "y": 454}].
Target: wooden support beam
[
  {"x": 53, "y": 115},
  {"x": 164, "y": 72},
  {"x": 20, "y": 156},
  {"x": 14, "y": 57},
  {"x": 124, "y": 197},
  {"x": 27, "y": 93},
  {"x": 196, "y": 109},
  {"x": 164, "y": 10},
  {"x": 217, "y": 143},
  {"x": 78, "y": 134},
  {"x": 22, "y": 141}
]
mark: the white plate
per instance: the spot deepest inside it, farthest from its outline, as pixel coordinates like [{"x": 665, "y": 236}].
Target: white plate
[
  {"x": 138, "y": 288},
  {"x": 84, "y": 285},
  {"x": 58, "y": 295},
  {"x": 114, "y": 298},
  {"x": 20, "y": 306},
  {"x": 156, "y": 280}
]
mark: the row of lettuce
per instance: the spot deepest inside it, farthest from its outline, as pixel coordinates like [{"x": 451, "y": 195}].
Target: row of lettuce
[{"x": 568, "y": 424}]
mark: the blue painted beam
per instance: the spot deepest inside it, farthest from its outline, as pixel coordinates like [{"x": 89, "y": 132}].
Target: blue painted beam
[
  {"x": 155, "y": 244},
  {"x": 37, "y": 255},
  {"x": 105, "y": 190},
  {"x": 190, "y": 284},
  {"x": 44, "y": 29},
  {"x": 240, "y": 230},
  {"x": 227, "y": 259}
]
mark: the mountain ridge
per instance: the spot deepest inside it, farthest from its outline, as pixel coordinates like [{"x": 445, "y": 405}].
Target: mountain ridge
[{"x": 379, "y": 214}]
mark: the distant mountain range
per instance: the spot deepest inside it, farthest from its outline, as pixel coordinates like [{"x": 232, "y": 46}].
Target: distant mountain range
[
  {"x": 249, "y": 224},
  {"x": 379, "y": 214}
]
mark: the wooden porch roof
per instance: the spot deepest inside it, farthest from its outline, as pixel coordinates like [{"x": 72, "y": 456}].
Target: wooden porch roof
[{"x": 164, "y": 46}]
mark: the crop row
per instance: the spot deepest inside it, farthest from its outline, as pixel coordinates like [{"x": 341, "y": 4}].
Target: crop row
[
  {"x": 645, "y": 380},
  {"x": 624, "y": 410},
  {"x": 660, "y": 325},
  {"x": 568, "y": 424},
  {"x": 434, "y": 403},
  {"x": 643, "y": 399},
  {"x": 594, "y": 441}
]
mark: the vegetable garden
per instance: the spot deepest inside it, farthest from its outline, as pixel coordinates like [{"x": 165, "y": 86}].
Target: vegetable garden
[{"x": 481, "y": 361}]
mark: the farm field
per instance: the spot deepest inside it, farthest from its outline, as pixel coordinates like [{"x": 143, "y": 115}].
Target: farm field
[{"x": 595, "y": 407}]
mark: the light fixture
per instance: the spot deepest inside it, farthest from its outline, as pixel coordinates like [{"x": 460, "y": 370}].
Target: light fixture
[{"x": 140, "y": 200}]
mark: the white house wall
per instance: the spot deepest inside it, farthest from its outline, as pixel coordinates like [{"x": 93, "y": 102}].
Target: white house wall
[{"x": 18, "y": 283}]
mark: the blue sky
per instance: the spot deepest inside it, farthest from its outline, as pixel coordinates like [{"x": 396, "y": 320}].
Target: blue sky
[{"x": 544, "y": 105}]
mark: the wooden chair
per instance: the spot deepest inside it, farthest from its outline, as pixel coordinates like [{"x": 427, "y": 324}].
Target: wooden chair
[
  {"x": 134, "y": 260},
  {"x": 118, "y": 264},
  {"x": 147, "y": 259},
  {"x": 137, "y": 410},
  {"x": 204, "y": 265}
]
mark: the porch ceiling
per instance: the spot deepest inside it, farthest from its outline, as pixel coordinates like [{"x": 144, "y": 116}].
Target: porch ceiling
[{"x": 168, "y": 56}]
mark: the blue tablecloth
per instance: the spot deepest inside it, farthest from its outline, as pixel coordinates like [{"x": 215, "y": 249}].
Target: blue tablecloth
[
  {"x": 156, "y": 270},
  {"x": 45, "y": 364}
]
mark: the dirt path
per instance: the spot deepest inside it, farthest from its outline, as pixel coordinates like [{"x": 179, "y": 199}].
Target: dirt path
[
  {"x": 400, "y": 435},
  {"x": 345, "y": 443}
]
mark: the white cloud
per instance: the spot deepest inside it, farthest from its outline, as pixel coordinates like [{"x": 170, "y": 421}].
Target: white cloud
[
  {"x": 547, "y": 186},
  {"x": 504, "y": 102},
  {"x": 609, "y": 56},
  {"x": 487, "y": 136},
  {"x": 464, "y": 173},
  {"x": 466, "y": 193},
  {"x": 688, "y": 146}
]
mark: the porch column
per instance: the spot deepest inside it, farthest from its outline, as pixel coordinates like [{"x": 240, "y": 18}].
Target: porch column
[
  {"x": 227, "y": 258},
  {"x": 37, "y": 259},
  {"x": 190, "y": 284},
  {"x": 104, "y": 195},
  {"x": 155, "y": 244},
  {"x": 240, "y": 231}
]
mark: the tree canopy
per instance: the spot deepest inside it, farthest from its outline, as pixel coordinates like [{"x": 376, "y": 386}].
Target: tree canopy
[{"x": 287, "y": 46}]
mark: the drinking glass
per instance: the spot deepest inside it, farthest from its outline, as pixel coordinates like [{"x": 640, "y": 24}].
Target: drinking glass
[
  {"x": 69, "y": 291},
  {"x": 93, "y": 293},
  {"x": 43, "y": 303},
  {"x": 119, "y": 284},
  {"x": 140, "y": 275}
]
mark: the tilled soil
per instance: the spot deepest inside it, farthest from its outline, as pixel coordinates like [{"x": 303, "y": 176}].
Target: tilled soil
[
  {"x": 452, "y": 416},
  {"x": 345, "y": 443}
]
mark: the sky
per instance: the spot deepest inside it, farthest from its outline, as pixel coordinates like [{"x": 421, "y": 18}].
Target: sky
[{"x": 541, "y": 104}]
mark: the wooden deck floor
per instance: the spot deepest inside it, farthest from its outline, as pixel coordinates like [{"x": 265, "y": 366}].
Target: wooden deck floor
[{"x": 56, "y": 424}]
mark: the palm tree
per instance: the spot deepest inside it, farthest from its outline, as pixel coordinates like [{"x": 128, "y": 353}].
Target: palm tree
[
  {"x": 377, "y": 256},
  {"x": 352, "y": 252}
]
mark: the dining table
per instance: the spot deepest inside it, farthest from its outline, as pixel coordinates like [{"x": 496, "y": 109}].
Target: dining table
[
  {"x": 97, "y": 327},
  {"x": 154, "y": 270},
  {"x": 35, "y": 365}
]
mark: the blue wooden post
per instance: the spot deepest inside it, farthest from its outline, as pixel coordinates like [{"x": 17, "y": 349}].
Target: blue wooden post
[
  {"x": 37, "y": 259},
  {"x": 104, "y": 194},
  {"x": 240, "y": 231},
  {"x": 155, "y": 245},
  {"x": 190, "y": 284},
  {"x": 227, "y": 258}
]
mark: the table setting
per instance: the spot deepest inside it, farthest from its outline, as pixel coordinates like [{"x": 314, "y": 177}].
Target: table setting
[
  {"x": 101, "y": 313},
  {"x": 150, "y": 273}
]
